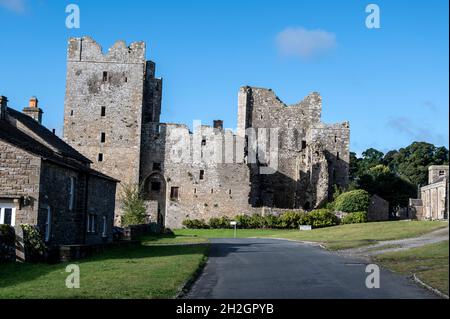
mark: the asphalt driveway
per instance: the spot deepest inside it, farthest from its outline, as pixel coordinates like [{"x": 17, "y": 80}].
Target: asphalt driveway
[{"x": 270, "y": 268}]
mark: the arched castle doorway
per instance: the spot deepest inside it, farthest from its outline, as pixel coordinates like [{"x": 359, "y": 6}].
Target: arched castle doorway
[{"x": 155, "y": 196}]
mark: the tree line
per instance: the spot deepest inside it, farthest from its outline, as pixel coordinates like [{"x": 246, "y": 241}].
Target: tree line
[{"x": 397, "y": 175}]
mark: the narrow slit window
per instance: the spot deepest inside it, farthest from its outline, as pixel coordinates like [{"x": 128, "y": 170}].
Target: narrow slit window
[
  {"x": 103, "y": 111},
  {"x": 105, "y": 76},
  {"x": 174, "y": 193},
  {"x": 337, "y": 155},
  {"x": 100, "y": 157},
  {"x": 103, "y": 137},
  {"x": 202, "y": 174}
]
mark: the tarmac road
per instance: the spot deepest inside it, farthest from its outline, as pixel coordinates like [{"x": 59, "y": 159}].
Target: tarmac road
[{"x": 278, "y": 269}]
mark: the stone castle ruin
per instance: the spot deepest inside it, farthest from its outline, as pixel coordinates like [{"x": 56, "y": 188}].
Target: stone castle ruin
[{"x": 280, "y": 157}]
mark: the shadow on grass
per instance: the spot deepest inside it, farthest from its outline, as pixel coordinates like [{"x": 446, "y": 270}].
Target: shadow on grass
[{"x": 15, "y": 273}]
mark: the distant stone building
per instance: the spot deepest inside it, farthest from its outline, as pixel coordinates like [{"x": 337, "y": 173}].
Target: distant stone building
[
  {"x": 378, "y": 209},
  {"x": 112, "y": 116},
  {"x": 433, "y": 202},
  {"x": 47, "y": 183}
]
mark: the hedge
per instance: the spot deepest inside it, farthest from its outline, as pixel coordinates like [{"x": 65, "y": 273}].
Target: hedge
[
  {"x": 354, "y": 218},
  {"x": 289, "y": 220},
  {"x": 352, "y": 201}
]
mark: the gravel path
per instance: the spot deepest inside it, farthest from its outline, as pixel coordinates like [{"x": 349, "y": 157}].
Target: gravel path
[{"x": 400, "y": 244}]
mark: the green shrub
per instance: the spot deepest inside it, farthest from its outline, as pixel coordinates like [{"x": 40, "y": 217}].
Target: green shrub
[
  {"x": 354, "y": 218},
  {"x": 34, "y": 245},
  {"x": 292, "y": 219},
  {"x": 271, "y": 221},
  {"x": 133, "y": 205},
  {"x": 352, "y": 201},
  {"x": 222, "y": 222},
  {"x": 322, "y": 218},
  {"x": 195, "y": 224}
]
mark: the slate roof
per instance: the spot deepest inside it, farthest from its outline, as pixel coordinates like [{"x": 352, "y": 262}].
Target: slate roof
[
  {"x": 49, "y": 137},
  {"x": 61, "y": 154}
]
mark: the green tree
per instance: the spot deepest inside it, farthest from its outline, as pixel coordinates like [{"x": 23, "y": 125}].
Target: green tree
[{"x": 133, "y": 205}]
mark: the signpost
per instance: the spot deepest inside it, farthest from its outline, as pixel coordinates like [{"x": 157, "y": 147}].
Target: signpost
[{"x": 233, "y": 223}]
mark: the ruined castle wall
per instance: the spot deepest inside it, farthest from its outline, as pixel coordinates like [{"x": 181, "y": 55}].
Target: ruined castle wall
[{"x": 208, "y": 182}]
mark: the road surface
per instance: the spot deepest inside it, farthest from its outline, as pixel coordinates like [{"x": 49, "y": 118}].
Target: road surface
[{"x": 278, "y": 269}]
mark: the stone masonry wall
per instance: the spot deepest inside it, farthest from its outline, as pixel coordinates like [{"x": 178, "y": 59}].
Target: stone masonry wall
[
  {"x": 19, "y": 178},
  {"x": 106, "y": 99}
]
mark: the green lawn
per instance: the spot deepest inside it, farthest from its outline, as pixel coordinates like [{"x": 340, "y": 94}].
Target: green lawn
[
  {"x": 172, "y": 239},
  {"x": 429, "y": 263},
  {"x": 123, "y": 272},
  {"x": 334, "y": 238}
]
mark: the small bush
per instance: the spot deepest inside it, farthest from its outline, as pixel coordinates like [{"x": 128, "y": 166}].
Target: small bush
[
  {"x": 222, "y": 222},
  {"x": 195, "y": 224},
  {"x": 353, "y": 201},
  {"x": 355, "y": 218},
  {"x": 34, "y": 245},
  {"x": 322, "y": 218},
  {"x": 133, "y": 205}
]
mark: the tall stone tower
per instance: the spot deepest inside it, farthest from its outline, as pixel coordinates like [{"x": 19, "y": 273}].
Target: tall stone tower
[{"x": 109, "y": 98}]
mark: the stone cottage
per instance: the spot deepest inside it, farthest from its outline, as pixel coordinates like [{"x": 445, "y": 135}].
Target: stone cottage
[
  {"x": 433, "y": 202},
  {"x": 45, "y": 182}
]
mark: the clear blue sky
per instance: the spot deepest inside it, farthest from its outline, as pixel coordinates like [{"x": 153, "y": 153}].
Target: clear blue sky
[{"x": 390, "y": 83}]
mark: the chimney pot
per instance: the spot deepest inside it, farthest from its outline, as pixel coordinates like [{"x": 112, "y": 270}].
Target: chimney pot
[
  {"x": 218, "y": 124},
  {"x": 33, "y": 110},
  {"x": 3, "y": 105}
]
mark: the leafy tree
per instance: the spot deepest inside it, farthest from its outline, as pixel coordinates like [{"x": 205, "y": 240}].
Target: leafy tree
[{"x": 133, "y": 205}]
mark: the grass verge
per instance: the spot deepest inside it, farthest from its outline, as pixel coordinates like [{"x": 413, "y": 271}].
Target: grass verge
[
  {"x": 123, "y": 272},
  {"x": 429, "y": 263},
  {"x": 334, "y": 238}
]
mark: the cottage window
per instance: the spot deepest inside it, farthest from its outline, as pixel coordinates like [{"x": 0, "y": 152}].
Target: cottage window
[
  {"x": 48, "y": 224},
  {"x": 91, "y": 221},
  {"x": 72, "y": 184},
  {"x": 174, "y": 193},
  {"x": 105, "y": 227},
  {"x": 7, "y": 214}
]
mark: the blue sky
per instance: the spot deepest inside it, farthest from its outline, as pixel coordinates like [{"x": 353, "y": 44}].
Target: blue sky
[{"x": 390, "y": 83}]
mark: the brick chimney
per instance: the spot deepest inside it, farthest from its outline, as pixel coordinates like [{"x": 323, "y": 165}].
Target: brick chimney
[
  {"x": 218, "y": 124},
  {"x": 3, "y": 105},
  {"x": 33, "y": 110}
]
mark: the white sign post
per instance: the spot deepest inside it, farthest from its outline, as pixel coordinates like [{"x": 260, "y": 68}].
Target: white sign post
[{"x": 233, "y": 223}]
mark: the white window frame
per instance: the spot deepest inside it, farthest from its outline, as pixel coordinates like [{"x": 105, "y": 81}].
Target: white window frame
[
  {"x": 11, "y": 206},
  {"x": 105, "y": 226},
  {"x": 91, "y": 223},
  {"x": 72, "y": 193},
  {"x": 48, "y": 224}
]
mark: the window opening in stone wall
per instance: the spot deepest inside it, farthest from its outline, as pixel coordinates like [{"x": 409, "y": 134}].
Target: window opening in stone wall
[
  {"x": 202, "y": 174},
  {"x": 337, "y": 155},
  {"x": 303, "y": 145},
  {"x": 203, "y": 140},
  {"x": 102, "y": 137},
  {"x": 441, "y": 173},
  {"x": 100, "y": 157},
  {"x": 212, "y": 191},
  {"x": 105, "y": 76},
  {"x": 71, "y": 113},
  {"x": 335, "y": 138},
  {"x": 174, "y": 193},
  {"x": 103, "y": 111},
  {"x": 157, "y": 167}
]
